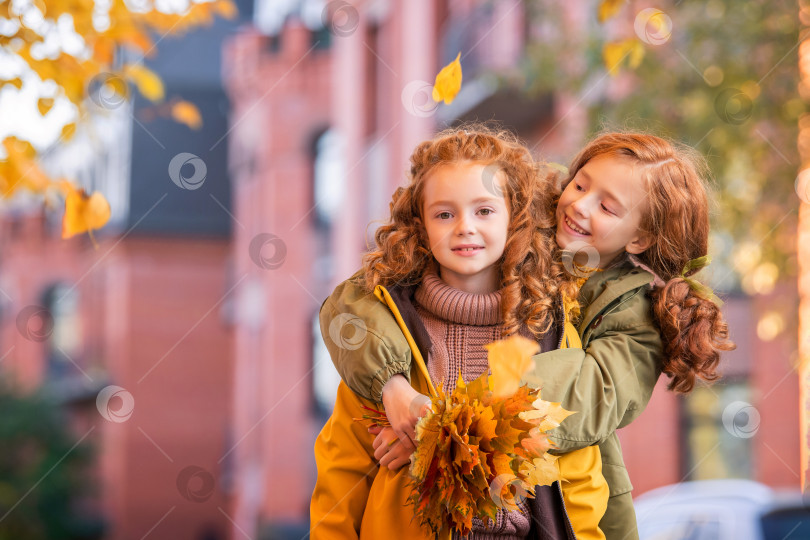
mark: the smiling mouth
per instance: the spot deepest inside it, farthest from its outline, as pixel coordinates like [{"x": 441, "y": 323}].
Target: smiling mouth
[
  {"x": 574, "y": 228},
  {"x": 467, "y": 248}
]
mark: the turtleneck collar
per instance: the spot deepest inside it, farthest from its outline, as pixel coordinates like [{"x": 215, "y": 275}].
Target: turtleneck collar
[{"x": 457, "y": 306}]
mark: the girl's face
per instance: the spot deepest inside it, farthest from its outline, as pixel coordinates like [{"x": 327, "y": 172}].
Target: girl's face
[
  {"x": 601, "y": 209},
  {"x": 466, "y": 224}
]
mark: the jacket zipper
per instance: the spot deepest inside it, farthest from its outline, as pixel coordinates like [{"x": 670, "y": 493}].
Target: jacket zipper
[
  {"x": 568, "y": 525},
  {"x": 565, "y": 513}
]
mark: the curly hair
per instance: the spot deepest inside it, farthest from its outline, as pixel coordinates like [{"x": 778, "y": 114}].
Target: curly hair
[
  {"x": 692, "y": 327},
  {"x": 531, "y": 275}
]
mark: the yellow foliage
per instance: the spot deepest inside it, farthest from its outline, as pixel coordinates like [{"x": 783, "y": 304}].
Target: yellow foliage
[
  {"x": 477, "y": 452},
  {"x": 609, "y": 8},
  {"x": 616, "y": 53},
  {"x": 448, "y": 82},
  {"x": 129, "y": 30},
  {"x": 187, "y": 113},
  {"x": 147, "y": 81},
  {"x": 44, "y": 105},
  {"x": 16, "y": 82}
]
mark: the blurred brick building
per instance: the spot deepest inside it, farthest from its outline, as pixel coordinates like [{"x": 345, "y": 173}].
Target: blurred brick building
[{"x": 134, "y": 336}]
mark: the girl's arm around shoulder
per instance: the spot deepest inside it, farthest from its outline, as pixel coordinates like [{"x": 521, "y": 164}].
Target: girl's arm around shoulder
[
  {"x": 610, "y": 382},
  {"x": 363, "y": 338}
]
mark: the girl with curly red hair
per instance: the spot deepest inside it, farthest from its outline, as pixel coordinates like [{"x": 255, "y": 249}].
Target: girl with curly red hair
[
  {"x": 467, "y": 258},
  {"x": 632, "y": 216}
]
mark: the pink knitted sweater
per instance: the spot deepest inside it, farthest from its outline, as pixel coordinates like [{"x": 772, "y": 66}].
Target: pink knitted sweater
[{"x": 459, "y": 325}]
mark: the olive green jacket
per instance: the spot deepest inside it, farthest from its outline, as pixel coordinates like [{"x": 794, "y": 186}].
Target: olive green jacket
[{"x": 608, "y": 382}]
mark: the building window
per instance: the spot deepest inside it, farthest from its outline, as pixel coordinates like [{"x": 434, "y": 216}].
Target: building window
[
  {"x": 329, "y": 182},
  {"x": 719, "y": 425},
  {"x": 325, "y": 378},
  {"x": 64, "y": 344}
]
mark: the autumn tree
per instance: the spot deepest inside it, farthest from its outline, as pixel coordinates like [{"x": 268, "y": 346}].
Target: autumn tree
[
  {"x": 718, "y": 75},
  {"x": 74, "y": 53}
]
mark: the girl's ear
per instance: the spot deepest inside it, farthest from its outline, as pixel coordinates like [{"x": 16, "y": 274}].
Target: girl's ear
[{"x": 639, "y": 244}]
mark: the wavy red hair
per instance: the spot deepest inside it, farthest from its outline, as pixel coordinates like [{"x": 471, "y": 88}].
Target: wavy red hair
[
  {"x": 531, "y": 278},
  {"x": 692, "y": 327}
]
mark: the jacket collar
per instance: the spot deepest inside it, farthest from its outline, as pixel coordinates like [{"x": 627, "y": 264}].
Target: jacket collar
[{"x": 603, "y": 288}]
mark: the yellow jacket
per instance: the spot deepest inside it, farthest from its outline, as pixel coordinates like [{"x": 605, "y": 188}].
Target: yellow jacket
[{"x": 356, "y": 498}]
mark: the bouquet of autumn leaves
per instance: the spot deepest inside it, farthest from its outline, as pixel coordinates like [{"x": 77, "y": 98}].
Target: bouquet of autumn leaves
[{"x": 484, "y": 446}]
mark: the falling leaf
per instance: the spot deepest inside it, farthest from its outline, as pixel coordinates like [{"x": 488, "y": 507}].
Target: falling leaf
[
  {"x": 609, "y": 8},
  {"x": 44, "y": 105},
  {"x": 148, "y": 83},
  {"x": 448, "y": 82},
  {"x": 84, "y": 213},
  {"x": 509, "y": 360},
  {"x": 615, "y": 53},
  {"x": 187, "y": 113}
]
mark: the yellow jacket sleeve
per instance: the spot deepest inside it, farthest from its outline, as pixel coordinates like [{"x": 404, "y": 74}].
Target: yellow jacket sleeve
[
  {"x": 584, "y": 488},
  {"x": 346, "y": 470}
]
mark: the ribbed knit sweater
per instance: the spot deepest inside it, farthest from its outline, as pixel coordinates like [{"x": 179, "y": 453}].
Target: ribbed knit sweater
[{"x": 459, "y": 325}]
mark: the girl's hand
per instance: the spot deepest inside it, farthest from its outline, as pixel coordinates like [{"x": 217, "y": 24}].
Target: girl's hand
[
  {"x": 404, "y": 406},
  {"x": 388, "y": 449}
]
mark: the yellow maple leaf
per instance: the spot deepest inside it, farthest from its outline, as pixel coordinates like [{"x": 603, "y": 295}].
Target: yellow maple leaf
[
  {"x": 448, "y": 82},
  {"x": 609, "y": 8},
  {"x": 549, "y": 413},
  {"x": 509, "y": 360},
  {"x": 147, "y": 81},
  {"x": 84, "y": 213},
  {"x": 545, "y": 471},
  {"x": 615, "y": 53},
  {"x": 187, "y": 113}
]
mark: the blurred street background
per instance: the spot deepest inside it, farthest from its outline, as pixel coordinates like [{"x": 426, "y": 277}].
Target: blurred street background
[{"x": 166, "y": 378}]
